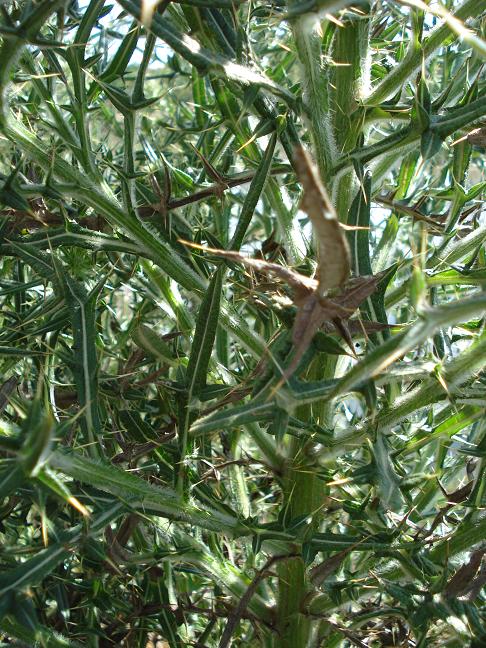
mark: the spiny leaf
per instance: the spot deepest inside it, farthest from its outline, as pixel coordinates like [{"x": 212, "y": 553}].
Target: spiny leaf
[
  {"x": 11, "y": 478},
  {"x": 386, "y": 476},
  {"x": 38, "y": 430},
  {"x": 254, "y": 194},
  {"x": 84, "y": 361},
  {"x": 140, "y": 494},
  {"x": 204, "y": 335},
  {"x": 203, "y": 59},
  {"x": 41, "y": 636},
  {"x": 33, "y": 571}
]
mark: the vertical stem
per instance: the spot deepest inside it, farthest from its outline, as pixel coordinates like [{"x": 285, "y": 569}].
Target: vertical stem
[
  {"x": 130, "y": 128},
  {"x": 331, "y": 97},
  {"x": 307, "y": 32},
  {"x": 350, "y": 74},
  {"x": 76, "y": 63},
  {"x": 304, "y": 494}
]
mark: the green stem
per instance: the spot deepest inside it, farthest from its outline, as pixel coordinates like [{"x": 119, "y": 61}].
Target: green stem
[
  {"x": 307, "y": 32},
  {"x": 350, "y": 74},
  {"x": 130, "y": 128},
  {"x": 304, "y": 495},
  {"x": 330, "y": 99},
  {"x": 75, "y": 58}
]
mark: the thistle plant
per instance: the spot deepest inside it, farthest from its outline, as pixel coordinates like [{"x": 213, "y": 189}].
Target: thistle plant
[{"x": 243, "y": 345}]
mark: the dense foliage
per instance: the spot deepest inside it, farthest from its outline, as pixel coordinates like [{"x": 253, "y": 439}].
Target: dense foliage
[{"x": 187, "y": 457}]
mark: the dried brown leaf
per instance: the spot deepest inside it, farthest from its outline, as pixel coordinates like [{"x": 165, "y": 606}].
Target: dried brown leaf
[
  {"x": 315, "y": 312},
  {"x": 334, "y": 259},
  {"x": 309, "y": 319},
  {"x": 358, "y": 327},
  {"x": 358, "y": 289},
  {"x": 300, "y": 283},
  {"x": 6, "y": 390},
  {"x": 463, "y": 578},
  {"x": 210, "y": 169}
]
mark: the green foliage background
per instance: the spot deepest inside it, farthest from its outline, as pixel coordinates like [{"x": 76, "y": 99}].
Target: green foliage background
[{"x": 157, "y": 482}]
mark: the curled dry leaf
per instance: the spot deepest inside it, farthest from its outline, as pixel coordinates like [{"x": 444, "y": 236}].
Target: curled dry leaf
[
  {"x": 298, "y": 282},
  {"x": 314, "y": 307},
  {"x": 334, "y": 259}
]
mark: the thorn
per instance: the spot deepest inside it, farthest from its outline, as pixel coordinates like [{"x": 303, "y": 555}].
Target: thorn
[
  {"x": 210, "y": 169},
  {"x": 344, "y": 330}
]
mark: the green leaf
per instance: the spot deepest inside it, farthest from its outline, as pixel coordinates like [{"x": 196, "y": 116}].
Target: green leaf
[
  {"x": 41, "y": 636},
  {"x": 84, "y": 361},
  {"x": 41, "y": 262},
  {"x": 12, "y": 198},
  {"x": 422, "y": 105},
  {"x": 204, "y": 336},
  {"x": 233, "y": 417},
  {"x": 254, "y": 194},
  {"x": 32, "y": 571},
  {"x": 151, "y": 342},
  {"x": 278, "y": 427},
  {"x": 386, "y": 476},
  {"x": 430, "y": 321},
  {"x": 430, "y": 144},
  {"x": 73, "y": 235},
  {"x": 203, "y": 59},
  {"x": 38, "y": 430},
  {"x": 11, "y": 478},
  {"x": 359, "y": 217},
  {"x": 122, "y": 101},
  {"x": 455, "y": 249}
]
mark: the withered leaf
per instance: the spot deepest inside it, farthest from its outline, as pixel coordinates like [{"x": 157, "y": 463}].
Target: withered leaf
[
  {"x": 314, "y": 307},
  {"x": 315, "y": 312},
  {"x": 359, "y": 328},
  {"x": 6, "y": 390},
  {"x": 463, "y": 578},
  {"x": 321, "y": 572},
  {"x": 333, "y": 256},
  {"x": 358, "y": 289},
  {"x": 300, "y": 283},
  {"x": 477, "y": 584}
]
